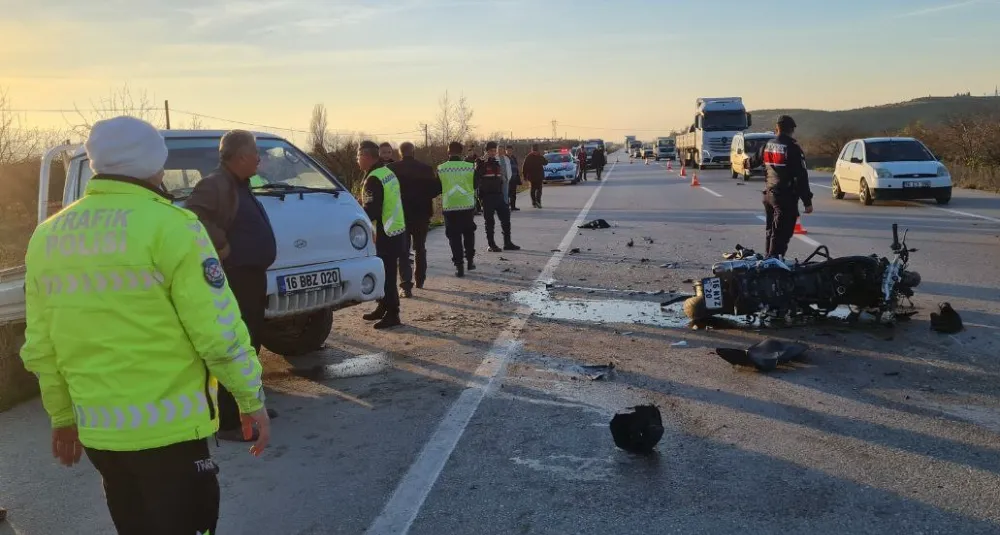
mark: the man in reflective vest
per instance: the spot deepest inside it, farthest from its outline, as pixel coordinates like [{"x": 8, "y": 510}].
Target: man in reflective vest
[
  {"x": 384, "y": 205},
  {"x": 458, "y": 201},
  {"x": 131, "y": 325}
]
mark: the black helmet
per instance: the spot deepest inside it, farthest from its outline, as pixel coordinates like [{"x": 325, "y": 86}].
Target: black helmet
[{"x": 786, "y": 121}]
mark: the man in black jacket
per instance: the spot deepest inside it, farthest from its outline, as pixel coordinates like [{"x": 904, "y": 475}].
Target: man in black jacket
[
  {"x": 600, "y": 160},
  {"x": 515, "y": 179},
  {"x": 787, "y": 183},
  {"x": 388, "y": 248},
  {"x": 489, "y": 177},
  {"x": 418, "y": 186}
]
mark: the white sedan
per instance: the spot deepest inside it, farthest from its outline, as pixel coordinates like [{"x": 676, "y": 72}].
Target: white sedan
[
  {"x": 897, "y": 168},
  {"x": 560, "y": 167}
]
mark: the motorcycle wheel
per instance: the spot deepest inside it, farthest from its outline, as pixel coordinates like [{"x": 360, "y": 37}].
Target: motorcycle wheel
[{"x": 695, "y": 309}]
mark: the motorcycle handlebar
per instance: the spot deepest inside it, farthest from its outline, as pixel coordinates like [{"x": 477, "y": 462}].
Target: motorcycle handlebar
[{"x": 895, "y": 236}]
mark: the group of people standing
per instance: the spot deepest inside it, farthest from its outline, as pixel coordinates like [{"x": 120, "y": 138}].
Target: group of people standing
[{"x": 597, "y": 159}]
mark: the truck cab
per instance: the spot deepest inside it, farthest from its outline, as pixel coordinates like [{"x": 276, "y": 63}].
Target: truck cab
[
  {"x": 326, "y": 256},
  {"x": 665, "y": 149},
  {"x": 709, "y": 139}
]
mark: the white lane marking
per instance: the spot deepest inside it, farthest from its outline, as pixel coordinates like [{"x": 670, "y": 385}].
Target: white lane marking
[
  {"x": 710, "y": 191},
  {"x": 404, "y": 505},
  {"x": 959, "y": 212},
  {"x": 822, "y": 186},
  {"x": 802, "y": 237}
]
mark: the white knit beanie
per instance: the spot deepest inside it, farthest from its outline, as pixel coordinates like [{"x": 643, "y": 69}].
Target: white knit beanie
[{"x": 126, "y": 146}]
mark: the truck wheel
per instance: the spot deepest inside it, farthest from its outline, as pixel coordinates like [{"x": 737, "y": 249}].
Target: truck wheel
[{"x": 298, "y": 335}]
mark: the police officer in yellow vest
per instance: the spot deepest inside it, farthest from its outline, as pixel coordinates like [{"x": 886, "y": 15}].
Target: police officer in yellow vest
[
  {"x": 458, "y": 200},
  {"x": 384, "y": 205},
  {"x": 130, "y": 327}
]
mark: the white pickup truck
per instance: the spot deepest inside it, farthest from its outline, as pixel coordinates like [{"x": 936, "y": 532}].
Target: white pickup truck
[{"x": 326, "y": 256}]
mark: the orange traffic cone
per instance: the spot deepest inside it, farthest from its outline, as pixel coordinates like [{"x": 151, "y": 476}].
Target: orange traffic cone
[
  {"x": 683, "y": 172},
  {"x": 799, "y": 229},
  {"x": 670, "y": 165},
  {"x": 694, "y": 180}
]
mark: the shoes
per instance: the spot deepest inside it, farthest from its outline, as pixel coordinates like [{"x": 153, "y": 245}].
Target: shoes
[
  {"x": 494, "y": 249},
  {"x": 272, "y": 414},
  {"x": 471, "y": 265},
  {"x": 509, "y": 246},
  {"x": 420, "y": 285},
  {"x": 459, "y": 270},
  {"x": 515, "y": 209},
  {"x": 376, "y": 314},
  {"x": 407, "y": 293},
  {"x": 389, "y": 321}
]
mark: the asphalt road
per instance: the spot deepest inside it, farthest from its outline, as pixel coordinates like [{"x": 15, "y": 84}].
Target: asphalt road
[{"x": 484, "y": 423}]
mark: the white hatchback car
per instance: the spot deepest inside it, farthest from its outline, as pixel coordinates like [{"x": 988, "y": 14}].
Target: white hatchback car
[{"x": 890, "y": 168}]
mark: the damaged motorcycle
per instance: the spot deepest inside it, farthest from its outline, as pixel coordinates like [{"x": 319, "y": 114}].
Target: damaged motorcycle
[{"x": 773, "y": 291}]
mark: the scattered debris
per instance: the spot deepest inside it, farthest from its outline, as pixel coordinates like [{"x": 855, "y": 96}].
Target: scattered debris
[
  {"x": 361, "y": 366},
  {"x": 682, "y": 343},
  {"x": 595, "y": 224},
  {"x": 627, "y": 333},
  {"x": 946, "y": 320},
  {"x": 638, "y": 431},
  {"x": 669, "y": 265},
  {"x": 688, "y": 281},
  {"x": 599, "y": 372},
  {"x": 575, "y": 250},
  {"x": 659, "y": 292},
  {"x": 765, "y": 355},
  {"x": 507, "y": 270},
  {"x": 891, "y": 374},
  {"x": 675, "y": 300},
  {"x": 502, "y": 259},
  {"x": 647, "y": 239},
  {"x": 643, "y": 260},
  {"x": 631, "y": 242},
  {"x": 553, "y": 250}
]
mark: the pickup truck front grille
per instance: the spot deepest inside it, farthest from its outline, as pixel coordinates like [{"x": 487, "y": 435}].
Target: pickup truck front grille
[{"x": 287, "y": 305}]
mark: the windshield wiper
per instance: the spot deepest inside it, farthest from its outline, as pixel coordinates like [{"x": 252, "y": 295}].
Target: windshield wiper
[{"x": 288, "y": 188}]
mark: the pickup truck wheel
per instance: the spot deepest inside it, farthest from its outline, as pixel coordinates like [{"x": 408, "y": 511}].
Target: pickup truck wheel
[
  {"x": 298, "y": 335},
  {"x": 865, "y": 195}
]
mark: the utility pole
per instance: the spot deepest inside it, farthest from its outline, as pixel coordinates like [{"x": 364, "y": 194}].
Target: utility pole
[
  {"x": 555, "y": 128},
  {"x": 166, "y": 109},
  {"x": 427, "y": 136}
]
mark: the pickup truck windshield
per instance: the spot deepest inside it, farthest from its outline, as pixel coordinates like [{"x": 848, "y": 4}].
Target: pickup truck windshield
[
  {"x": 717, "y": 121},
  {"x": 282, "y": 166},
  {"x": 896, "y": 151}
]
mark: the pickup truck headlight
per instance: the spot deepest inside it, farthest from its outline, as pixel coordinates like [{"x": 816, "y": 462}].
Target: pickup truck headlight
[
  {"x": 359, "y": 236},
  {"x": 883, "y": 173},
  {"x": 942, "y": 171}
]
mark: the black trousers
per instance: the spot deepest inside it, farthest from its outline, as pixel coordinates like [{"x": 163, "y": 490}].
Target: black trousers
[
  {"x": 600, "y": 171},
  {"x": 416, "y": 238},
  {"x": 162, "y": 491},
  {"x": 495, "y": 206},
  {"x": 512, "y": 193},
  {"x": 780, "y": 214},
  {"x": 249, "y": 286},
  {"x": 460, "y": 227},
  {"x": 390, "y": 251},
  {"x": 536, "y": 192},
  {"x": 581, "y": 172}
]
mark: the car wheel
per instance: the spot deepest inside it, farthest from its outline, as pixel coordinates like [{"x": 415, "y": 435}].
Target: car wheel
[
  {"x": 837, "y": 192},
  {"x": 944, "y": 199},
  {"x": 865, "y": 196}
]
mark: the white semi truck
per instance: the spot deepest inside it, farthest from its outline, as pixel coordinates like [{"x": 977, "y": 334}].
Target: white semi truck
[
  {"x": 709, "y": 139},
  {"x": 326, "y": 256}
]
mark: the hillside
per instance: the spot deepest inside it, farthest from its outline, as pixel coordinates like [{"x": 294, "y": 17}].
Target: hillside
[{"x": 879, "y": 119}]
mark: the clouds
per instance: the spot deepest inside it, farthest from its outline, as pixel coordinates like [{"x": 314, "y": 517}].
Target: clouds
[{"x": 944, "y": 7}]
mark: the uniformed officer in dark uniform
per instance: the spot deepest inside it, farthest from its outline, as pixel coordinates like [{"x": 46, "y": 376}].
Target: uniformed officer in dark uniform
[
  {"x": 383, "y": 204},
  {"x": 787, "y": 183},
  {"x": 489, "y": 178}
]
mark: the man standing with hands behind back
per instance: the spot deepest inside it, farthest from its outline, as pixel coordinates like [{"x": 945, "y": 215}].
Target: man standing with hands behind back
[
  {"x": 242, "y": 234},
  {"x": 534, "y": 173},
  {"x": 384, "y": 205},
  {"x": 418, "y": 187}
]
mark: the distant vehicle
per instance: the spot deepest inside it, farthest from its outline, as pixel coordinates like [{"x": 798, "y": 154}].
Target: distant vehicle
[
  {"x": 647, "y": 151},
  {"x": 560, "y": 166},
  {"x": 665, "y": 149},
  {"x": 629, "y": 140},
  {"x": 896, "y": 168},
  {"x": 743, "y": 154},
  {"x": 598, "y": 143},
  {"x": 710, "y": 137},
  {"x": 635, "y": 149}
]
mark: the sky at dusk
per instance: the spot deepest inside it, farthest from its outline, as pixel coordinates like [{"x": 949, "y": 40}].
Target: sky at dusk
[{"x": 599, "y": 68}]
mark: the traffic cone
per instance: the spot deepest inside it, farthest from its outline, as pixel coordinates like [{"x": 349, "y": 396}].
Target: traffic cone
[
  {"x": 647, "y": 161},
  {"x": 799, "y": 229},
  {"x": 670, "y": 165},
  {"x": 694, "y": 180},
  {"x": 683, "y": 172}
]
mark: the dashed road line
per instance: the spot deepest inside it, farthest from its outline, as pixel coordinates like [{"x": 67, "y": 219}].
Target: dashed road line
[
  {"x": 407, "y": 500},
  {"x": 710, "y": 191},
  {"x": 801, "y": 237}
]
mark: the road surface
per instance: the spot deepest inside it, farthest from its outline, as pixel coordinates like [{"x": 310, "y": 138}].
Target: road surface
[{"x": 476, "y": 418}]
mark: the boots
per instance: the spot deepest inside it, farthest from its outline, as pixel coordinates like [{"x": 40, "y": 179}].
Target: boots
[
  {"x": 459, "y": 270},
  {"x": 390, "y": 320},
  {"x": 471, "y": 265},
  {"x": 493, "y": 248},
  {"x": 509, "y": 245},
  {"x": 376, "y": 314}
]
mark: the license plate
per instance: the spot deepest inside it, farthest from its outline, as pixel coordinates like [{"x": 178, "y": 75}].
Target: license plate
[
  {"x": 912, "y": 184},
  {"x": 713, "y": 293},
  {"x": 302, "y": 282}
]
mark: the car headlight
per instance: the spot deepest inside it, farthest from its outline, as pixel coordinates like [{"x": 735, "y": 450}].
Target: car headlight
[
  {"x": 883, "y": 173},
  {"x": 359, "y": 236},
  {"x": 942, "y": 171}
]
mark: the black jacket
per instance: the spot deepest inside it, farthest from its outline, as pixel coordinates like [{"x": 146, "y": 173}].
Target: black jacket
[
  {"x": 785, "y": 169},
  {"x": 489, "y": 176},
  {"x": 385, "y": 246},
  {"x": 598, "y": 158},
  {"x": 418, "y": 185}
]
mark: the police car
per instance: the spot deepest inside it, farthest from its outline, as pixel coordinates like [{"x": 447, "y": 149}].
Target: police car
[
  {"x": 560, "y": 166},
  {"x": 326, "y": 256}
]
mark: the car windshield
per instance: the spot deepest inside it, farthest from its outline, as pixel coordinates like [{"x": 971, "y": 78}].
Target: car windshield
[
  {"x": 716, "y": 121},
  {"x": 896, "y": 151},
  {"x": 281, "y": 167},
  {"x": 556, "y": 157},
  {"x": 754, "y": 145}
]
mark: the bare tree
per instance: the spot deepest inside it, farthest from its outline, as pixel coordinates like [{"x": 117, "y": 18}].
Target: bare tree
[
  {"x": 463, "y": 119},
  {"x": 195, "y": 123},
  {"x": 319, "y": 134},
  {"x": 119, "y": 102},
  {"x": 444, "y": 127},
  {"x": 17, "y": 143}
]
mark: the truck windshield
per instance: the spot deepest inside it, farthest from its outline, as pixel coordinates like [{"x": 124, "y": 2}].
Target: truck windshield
[
  {"x": 716, "y": 121},
  {"x": 191, "y": 159},
  {"x": 896, "y": 151},
  {"x": 666, "y": 144}
]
